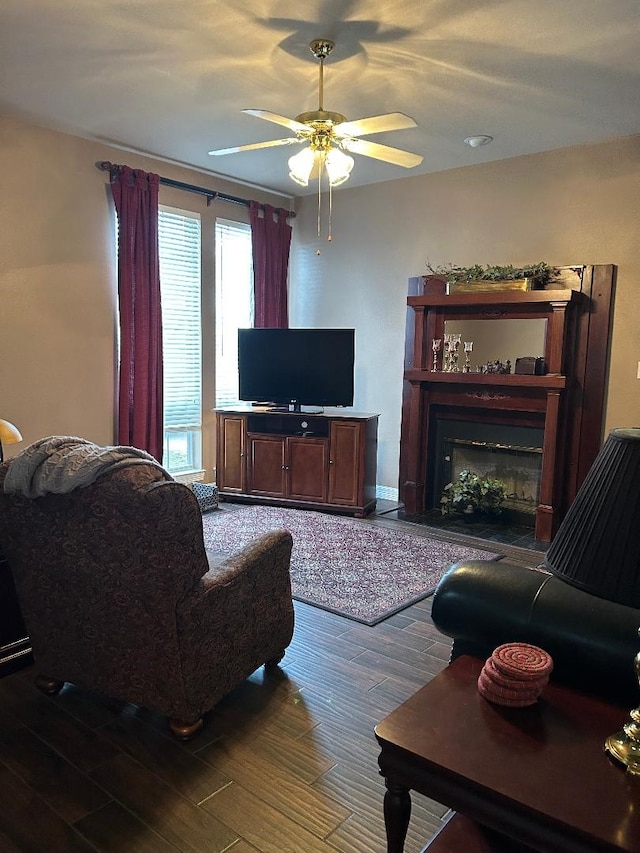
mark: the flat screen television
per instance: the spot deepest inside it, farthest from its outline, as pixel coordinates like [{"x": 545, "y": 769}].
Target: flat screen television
[{"x": 296, "y": 367}]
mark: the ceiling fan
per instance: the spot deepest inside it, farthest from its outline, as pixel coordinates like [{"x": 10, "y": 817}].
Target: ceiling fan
[{"x": 328, "y": 135}]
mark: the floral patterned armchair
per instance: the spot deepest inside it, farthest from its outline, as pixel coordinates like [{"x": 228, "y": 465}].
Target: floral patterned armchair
[{"x": 120, "y": 596}]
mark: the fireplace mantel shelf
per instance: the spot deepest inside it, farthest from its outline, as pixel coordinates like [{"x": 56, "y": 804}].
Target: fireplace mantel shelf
[
  {"x": 551, "y": 381},
  {"x": 490, "y": 298}
]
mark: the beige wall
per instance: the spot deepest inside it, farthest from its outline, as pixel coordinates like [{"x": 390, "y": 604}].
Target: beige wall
[
  {"x": 572, "y": 206},
  {"x": 58, "y": 280},
  {"x": 58, "y": 284}
]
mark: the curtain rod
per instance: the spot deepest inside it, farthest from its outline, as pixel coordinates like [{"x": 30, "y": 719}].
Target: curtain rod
[{"x": 211, "y": 195}]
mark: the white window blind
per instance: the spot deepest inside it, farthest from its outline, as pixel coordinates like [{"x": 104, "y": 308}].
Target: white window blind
[
  {"x": 180, "y": 283},
  {"x": 234, "y": 303}
]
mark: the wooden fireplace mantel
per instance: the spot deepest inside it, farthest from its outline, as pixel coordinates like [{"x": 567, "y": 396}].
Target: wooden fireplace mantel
[{"x": 567, "y": 402}]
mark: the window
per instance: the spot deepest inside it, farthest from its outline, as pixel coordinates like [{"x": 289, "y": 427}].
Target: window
[
  {"x": 234, "y": 303},
  {"x": 180, "y": 281}
]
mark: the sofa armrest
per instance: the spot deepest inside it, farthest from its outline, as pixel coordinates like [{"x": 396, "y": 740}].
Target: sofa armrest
[{"x": 593, "y": 641}]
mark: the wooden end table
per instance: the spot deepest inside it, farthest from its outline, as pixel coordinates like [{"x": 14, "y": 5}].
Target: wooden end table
[
  {"x": 538, "y": 776},
  {"x": 15, "y": 646}
]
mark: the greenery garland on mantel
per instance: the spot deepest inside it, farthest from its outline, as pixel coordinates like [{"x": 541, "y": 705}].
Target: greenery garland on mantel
[{"x": 541, "y": 274}]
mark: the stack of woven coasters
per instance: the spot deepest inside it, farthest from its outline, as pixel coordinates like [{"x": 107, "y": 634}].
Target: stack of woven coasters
[{"x": 515, "y": 675}]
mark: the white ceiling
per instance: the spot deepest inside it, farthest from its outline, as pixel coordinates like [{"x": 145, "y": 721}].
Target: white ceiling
[{"x": 170, "y": 77}]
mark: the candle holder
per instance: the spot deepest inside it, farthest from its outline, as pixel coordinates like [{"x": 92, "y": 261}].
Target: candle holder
[
  {"x": 446, "y": 358},
  {"x": 468, "y": 349},
  {"x": 436, "y": 343},
  {"x": 455, "y": 345},
  {"x": 624, "y": 747}
]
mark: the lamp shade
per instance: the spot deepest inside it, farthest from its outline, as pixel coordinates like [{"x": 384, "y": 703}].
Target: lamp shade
[
  {"x": 597, "y": 546},
  {"x": 9, "y": 434},
  {"x": 301, "y": 165},
  {"x": 339, "y": 166}
]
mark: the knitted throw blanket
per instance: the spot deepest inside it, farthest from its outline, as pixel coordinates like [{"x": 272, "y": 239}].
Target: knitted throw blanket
[{"x": 62, "y": 463}]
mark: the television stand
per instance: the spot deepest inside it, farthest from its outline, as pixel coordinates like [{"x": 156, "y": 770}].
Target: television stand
[
  {"x": 309, "y": 460},
  {"x": 298, "y": 408}
]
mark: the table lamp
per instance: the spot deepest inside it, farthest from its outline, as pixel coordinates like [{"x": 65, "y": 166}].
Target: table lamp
[
  {"x": 9, "y": 434},
  {"x": 597, "y": 548}
]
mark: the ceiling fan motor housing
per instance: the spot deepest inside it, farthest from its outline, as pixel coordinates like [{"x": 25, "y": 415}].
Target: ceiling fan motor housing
[{"x": 321, "y": 117}]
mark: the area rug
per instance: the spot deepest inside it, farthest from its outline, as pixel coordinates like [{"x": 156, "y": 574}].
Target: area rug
[{"x": 347, "y": 566}]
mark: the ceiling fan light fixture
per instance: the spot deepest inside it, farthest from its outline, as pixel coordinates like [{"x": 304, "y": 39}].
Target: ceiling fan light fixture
[
  {"x": 301, "y": 165},
  {"x": 477, "y": 141},
  {"x": 339, "y": 166}
]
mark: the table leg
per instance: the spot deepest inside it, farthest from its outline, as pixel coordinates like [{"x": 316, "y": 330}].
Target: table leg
[{"x": 397, "y": 811}]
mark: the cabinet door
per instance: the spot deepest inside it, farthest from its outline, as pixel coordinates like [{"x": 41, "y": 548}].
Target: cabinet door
[
  {"x": 307, "y": 468},
  {"x": 231, "y": 453},
  {"x": 267, "y": 465},
  {"x": 346, "y": 448}
]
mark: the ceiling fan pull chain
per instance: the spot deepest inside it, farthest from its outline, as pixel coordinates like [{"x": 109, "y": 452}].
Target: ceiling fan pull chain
[
  {"x": 319, "y": 195},
  {"x": 329, "y": 237}
]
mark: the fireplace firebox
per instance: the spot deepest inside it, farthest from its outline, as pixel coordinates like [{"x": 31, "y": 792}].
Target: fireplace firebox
[{"x": 511, "y": 454}]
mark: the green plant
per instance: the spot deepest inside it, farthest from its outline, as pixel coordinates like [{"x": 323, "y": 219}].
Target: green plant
[
  {"x": 471, "y": 493},
  {"x": 541, "y": 273}
]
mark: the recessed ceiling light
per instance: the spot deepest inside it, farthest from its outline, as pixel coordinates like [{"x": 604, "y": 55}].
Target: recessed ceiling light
[{"x": 477, "y": 141}]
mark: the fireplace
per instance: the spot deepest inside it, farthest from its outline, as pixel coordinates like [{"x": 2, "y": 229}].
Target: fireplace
[
  {"x": 538, "y": 433},
  {"x": 509, "y": 453}
]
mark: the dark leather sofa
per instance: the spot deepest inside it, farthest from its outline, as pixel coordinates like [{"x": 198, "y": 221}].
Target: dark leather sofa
[{"x": 592, "y": 641}]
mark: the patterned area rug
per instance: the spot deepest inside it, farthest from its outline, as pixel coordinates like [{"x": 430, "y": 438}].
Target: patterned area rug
[{"x": 348, "y": 566}]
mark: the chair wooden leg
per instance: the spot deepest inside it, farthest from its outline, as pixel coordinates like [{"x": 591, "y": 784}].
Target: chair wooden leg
[
  {"x": 47, "y": 685},
  {"x": 182, "y": 730},
  {"x": 275, "y": 660}
]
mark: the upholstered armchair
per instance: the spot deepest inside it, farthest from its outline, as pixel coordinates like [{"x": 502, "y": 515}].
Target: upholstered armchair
[{"x": 120, "y": 596}]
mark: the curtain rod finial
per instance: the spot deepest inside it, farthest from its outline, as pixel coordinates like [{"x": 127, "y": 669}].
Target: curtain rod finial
[{"x": 107, "y": 166}]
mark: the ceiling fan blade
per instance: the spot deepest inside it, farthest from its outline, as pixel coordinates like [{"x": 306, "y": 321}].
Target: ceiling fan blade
[
  {"x": 291, "y": 123},
  {"x": 290, "y": 140},
  {"x": 374, "y": 124},
  {"x": 382, "y": 152}
]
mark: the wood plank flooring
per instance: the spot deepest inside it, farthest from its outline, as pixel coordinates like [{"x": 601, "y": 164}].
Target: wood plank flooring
[{"x": 287, "y": 762}]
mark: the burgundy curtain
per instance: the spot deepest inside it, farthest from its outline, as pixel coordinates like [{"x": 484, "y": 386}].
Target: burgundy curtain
[
  {"x": 271, "y": 240},
  {"x": 140, "y": 415}
]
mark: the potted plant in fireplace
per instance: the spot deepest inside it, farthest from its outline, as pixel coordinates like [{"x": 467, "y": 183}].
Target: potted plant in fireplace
[{"x": 472, "y": 495}]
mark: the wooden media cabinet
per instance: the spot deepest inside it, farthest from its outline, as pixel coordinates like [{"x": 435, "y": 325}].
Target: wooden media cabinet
[{"x": 315, "y": 461}]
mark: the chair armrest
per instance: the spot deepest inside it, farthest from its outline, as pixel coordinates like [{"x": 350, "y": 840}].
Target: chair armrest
[
  {"x": 267, "y": 558},
  {"x": 245, "y": 585}
]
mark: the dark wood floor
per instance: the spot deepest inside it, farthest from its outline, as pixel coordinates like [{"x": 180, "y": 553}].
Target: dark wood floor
[{"x": 287, "y": 762}]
